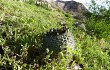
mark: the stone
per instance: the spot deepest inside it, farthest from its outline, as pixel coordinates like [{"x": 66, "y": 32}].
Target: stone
[
  {"x": 58, "y": 40},
  {"x": 80, "y": 26}
]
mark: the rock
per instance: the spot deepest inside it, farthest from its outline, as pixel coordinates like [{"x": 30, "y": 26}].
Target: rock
[
  {"x": 72, "y": 7},
  {"x": 75, "y": 8},
  {"x": 58, "y": 40},
  {"x": 62, "y": 23},
  {"x": 80, "y": 25},
  {"x": 77, "y": 67}
]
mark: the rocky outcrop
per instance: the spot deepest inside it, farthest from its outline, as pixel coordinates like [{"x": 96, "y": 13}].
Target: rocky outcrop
[
  {"x": 75, "y": 8},
  {"x": 72, "y": 7}
]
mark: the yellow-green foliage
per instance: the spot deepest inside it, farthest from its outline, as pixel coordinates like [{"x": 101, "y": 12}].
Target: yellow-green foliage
[{"x": 22, "y": 26}]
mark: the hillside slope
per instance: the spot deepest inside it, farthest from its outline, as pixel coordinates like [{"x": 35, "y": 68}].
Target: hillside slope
[{"x": 22, "y": 26}]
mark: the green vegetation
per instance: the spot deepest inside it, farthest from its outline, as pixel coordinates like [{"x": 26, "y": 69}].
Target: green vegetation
[
  {"x": 22, "y": 26},
  {"x": 99, "y": 20}
]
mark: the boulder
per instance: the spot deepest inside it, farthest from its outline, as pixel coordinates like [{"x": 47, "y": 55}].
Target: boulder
[{"x": 59, "y": 40}]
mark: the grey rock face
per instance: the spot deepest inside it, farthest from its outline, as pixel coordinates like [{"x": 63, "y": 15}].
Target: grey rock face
[
  {"x": 72, "y": 7},
  {"x": 75, "y": 8}
]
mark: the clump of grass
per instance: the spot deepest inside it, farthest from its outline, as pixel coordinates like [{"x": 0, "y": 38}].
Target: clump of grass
[{"x": 100, "y": 28}]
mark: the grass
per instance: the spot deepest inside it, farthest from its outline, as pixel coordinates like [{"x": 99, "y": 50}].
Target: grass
[{"x": 21, "y": 30}]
